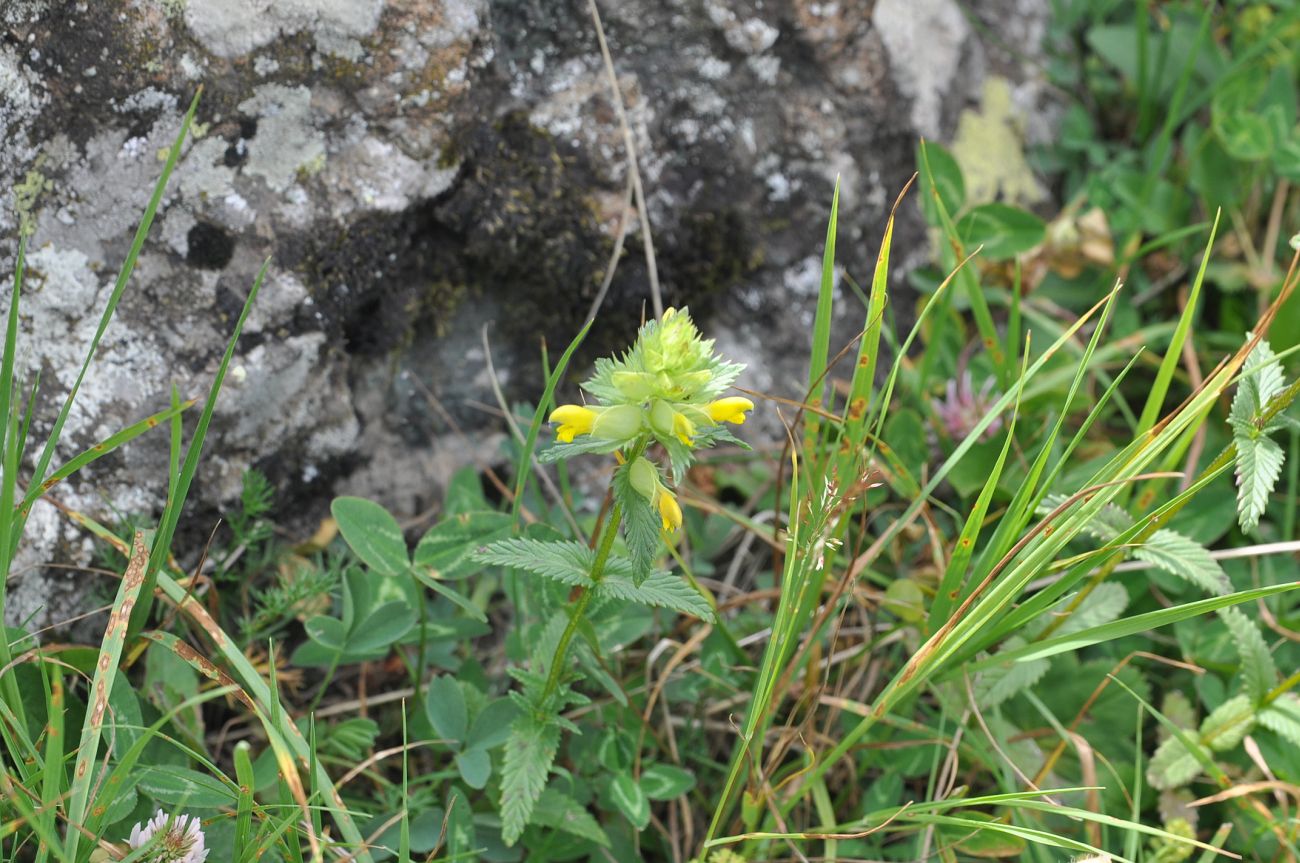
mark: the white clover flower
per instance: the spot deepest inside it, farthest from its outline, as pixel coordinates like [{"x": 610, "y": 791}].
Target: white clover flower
[{"x": 172, "y": 840}]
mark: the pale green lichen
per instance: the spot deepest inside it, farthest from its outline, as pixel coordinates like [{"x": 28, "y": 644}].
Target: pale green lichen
[
  {"x": 989, "y": 147},
  {"x": 26, "y": 196}
]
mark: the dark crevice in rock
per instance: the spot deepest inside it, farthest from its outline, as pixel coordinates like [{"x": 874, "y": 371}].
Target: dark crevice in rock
[{"x": 210, "y": 246}]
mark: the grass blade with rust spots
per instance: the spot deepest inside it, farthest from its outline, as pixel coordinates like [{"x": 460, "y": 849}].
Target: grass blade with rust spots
[
  {"x": 55, "y": 774},
  {"x": 97, "y": 451},
  {"x": 106, "y": 669}
]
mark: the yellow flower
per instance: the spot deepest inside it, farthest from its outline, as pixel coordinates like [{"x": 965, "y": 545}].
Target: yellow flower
[
  {"x": 621, "y": 422},
  {"x": 573, "y": 420},
  {"x": 667, "y": 421},
  {"x": 644, "y": 477},
  {"x": 669, "y": 511},
  {"x": 729, "y": 410}
]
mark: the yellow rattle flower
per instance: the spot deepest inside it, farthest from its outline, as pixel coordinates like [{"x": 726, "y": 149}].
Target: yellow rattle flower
[
  {"x": 644, "y": 477},
  {"x": 621, "y": 422},
  {"x": 729, "y": 410}
]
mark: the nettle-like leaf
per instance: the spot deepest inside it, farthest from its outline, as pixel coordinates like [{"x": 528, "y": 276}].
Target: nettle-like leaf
[
  {"x": 1259, "y": 457},
  {"x": 659, "y": 590},
  {"x": 1257, "y": 667},
  {"x": 1001, "y": 682},
  {"x": 1105, "y": 604},
  {"x": 559, "y": 811},
  {"x": 1165, "y": 549},
  {"x": 529, "y": 754},
  {"x": 1229, "y": 723},
  {"x": 640, "y": 524},
  {"x": 1282, "y": 717},
  {"x": 1185, "y": 558},
  {"x": 1259, "y": 464},
  {"x": 1174, "y": 765},
  {"x": 565, "y": 561}
]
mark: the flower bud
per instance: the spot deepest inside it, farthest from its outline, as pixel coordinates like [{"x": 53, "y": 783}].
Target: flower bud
[
  {"x": 644, "y": 478},
  {"x": 621, "y": 422}
]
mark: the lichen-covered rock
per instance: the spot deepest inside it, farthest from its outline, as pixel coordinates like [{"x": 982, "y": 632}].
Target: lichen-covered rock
[{"x": 416, "y": 170}]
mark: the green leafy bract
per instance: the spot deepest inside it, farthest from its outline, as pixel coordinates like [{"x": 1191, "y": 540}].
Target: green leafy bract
[{"x": 640, "y": 525}]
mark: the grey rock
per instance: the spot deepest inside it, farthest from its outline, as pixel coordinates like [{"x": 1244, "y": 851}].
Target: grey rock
[{"x": 416, "y": 170}]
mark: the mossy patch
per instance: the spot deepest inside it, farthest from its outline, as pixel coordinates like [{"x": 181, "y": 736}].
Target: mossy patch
[{"x": 516, "y": 230}]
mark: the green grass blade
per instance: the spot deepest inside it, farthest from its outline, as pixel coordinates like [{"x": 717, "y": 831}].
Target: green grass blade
[
  {"x": 1173, "y": 356},
  {"x": 106, "y": 671},
  {"x": 52, "y": 764},
  {"x": 128, "y": 265},
  {"x": 1129, "y": 626},
  {"x": 822, "y": 322},
  {"x": 100, "y": 450},
  {"x": 530, "y": 442},
  {"x": 969, "y": 283},
  {"x": 950, "y": 584},
  {"x": 172, "y": 511}
]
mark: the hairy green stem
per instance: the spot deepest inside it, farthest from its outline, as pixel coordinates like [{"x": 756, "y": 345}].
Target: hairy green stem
[{"x": 580, "y": 610}]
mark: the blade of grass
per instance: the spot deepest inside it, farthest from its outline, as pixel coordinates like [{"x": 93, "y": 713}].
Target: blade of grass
[
  {"x": 172, "y": 511},
  {"x": 128, "y": 266},
  {"x": 530, "y": 442},
  {"x": 1160, "y": 387},
  {"x": 100, "y": 450},
  {"x": 106, "y": 670},
  {"x": 1127, "y": 626}
]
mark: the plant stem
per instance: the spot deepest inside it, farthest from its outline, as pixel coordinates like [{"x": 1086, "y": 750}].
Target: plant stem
[{"x": 580, "y": 610}]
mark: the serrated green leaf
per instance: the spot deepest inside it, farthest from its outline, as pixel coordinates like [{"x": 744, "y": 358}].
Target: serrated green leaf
[
  {"x": 1259, "y": 464},
  {"x": 1282, "y": 717},
  {"x": 373, "y": 533},
  {"x": 1259, "y": 458},
  {"x": 1174, "y": 765},
  {"x": 1229, "y": 723},
  {"x": 628, "y": 797},
  {"x": 1000, "y": 682},
  {"x": 566, "y": 561},
  {"x": 1185, "y": 558},
  {"x": 1178, "y": 709},
  {"x": 1106, "y": 603},
  {"x": 660, "y": 590},
  {"x": 641, "y": 524},
  {"x": 665, "y": 781},
  {"x": 559, "y": 811},
  {"x": 1257, "y": 667},
  {"x": 1166, "y": 549},
  {"x": 530, "y": 751}
]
